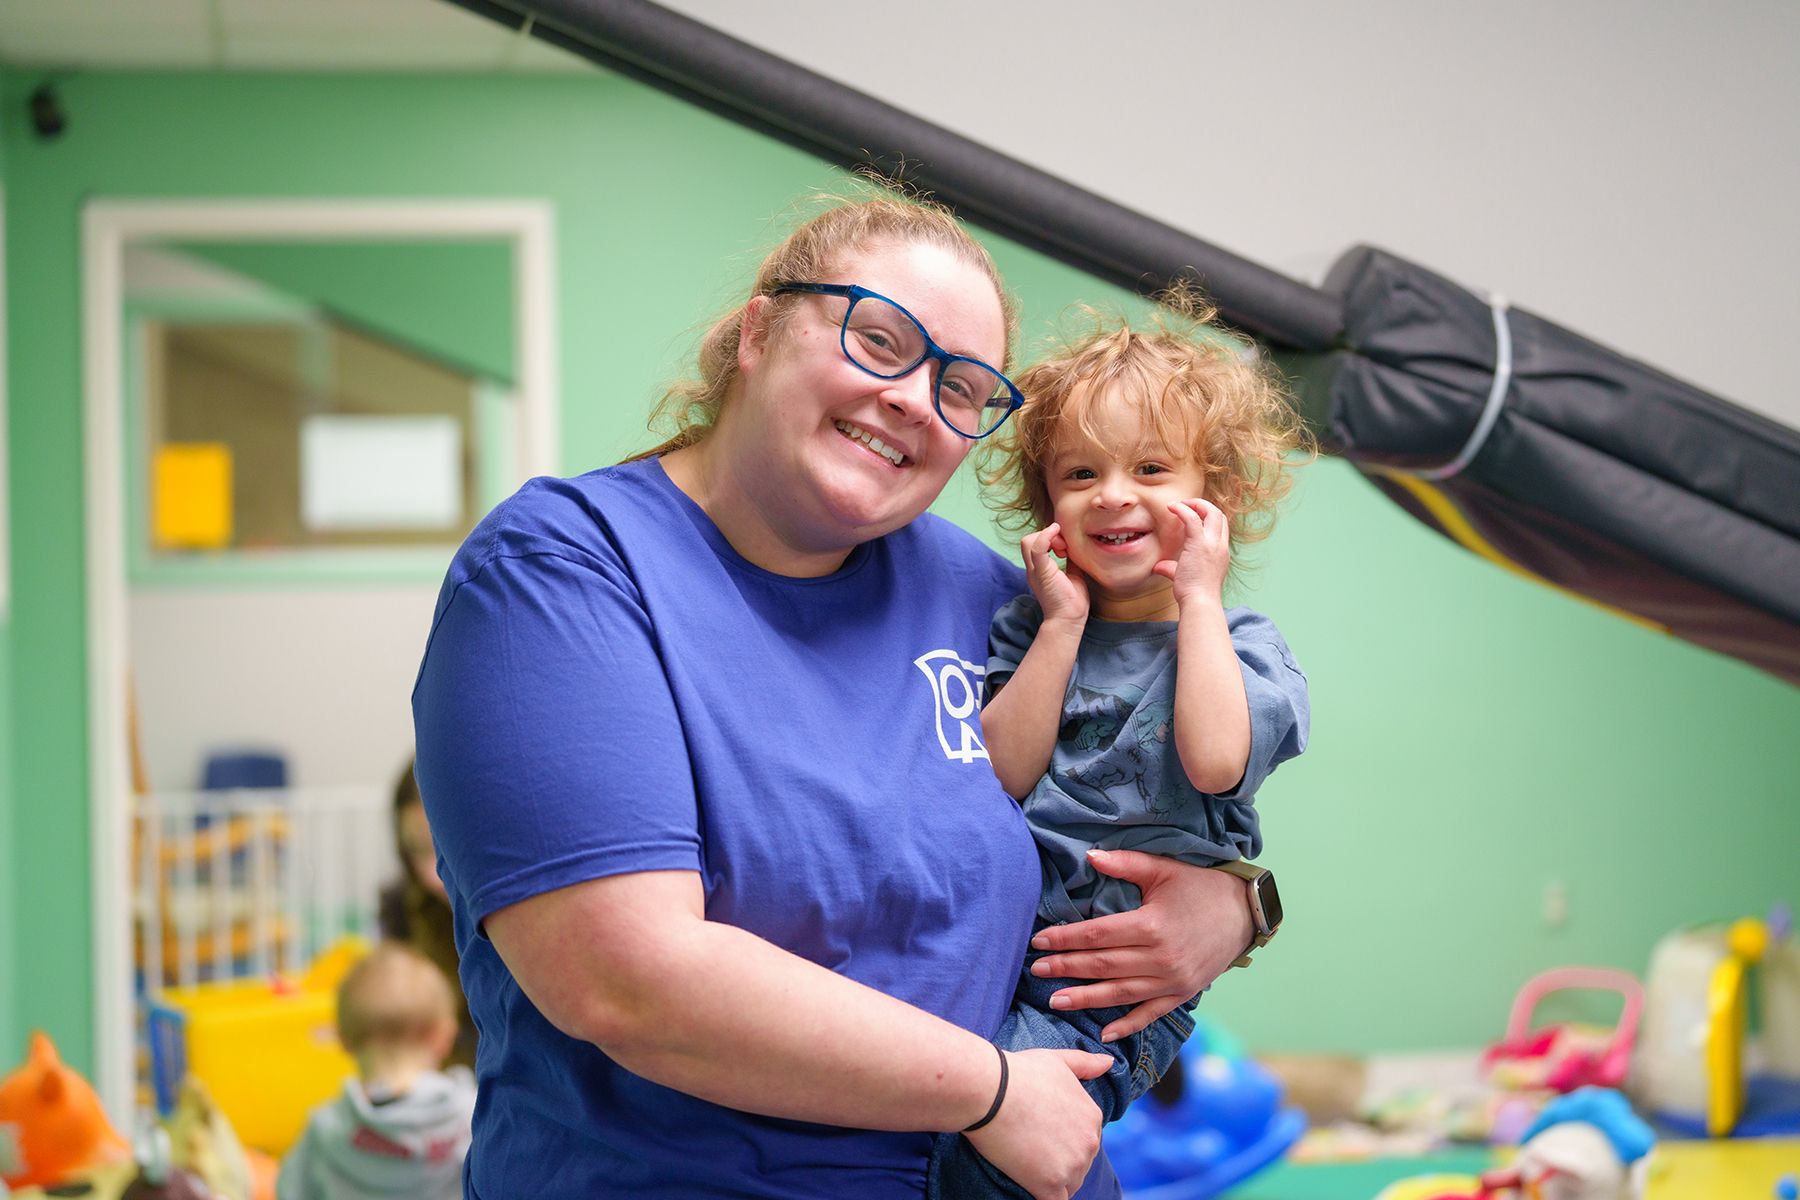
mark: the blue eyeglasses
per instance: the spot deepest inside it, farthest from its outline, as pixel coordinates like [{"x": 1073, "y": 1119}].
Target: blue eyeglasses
[{"x": 885, "y": 340}]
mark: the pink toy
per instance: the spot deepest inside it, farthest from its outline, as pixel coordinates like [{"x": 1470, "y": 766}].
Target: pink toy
[{"x": 1562, "y": 1058}]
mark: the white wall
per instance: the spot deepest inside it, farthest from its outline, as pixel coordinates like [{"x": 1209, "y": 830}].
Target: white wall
[
  {"x": 323, "y": 673},
  {"x": 1626, "y": 167}
]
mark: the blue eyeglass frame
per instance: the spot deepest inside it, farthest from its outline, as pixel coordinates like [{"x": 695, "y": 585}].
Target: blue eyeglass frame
[{"x": 933, "y": 352}]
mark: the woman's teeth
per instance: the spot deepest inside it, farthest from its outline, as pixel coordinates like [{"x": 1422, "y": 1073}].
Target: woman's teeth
[{"x": 872, "y": 442}]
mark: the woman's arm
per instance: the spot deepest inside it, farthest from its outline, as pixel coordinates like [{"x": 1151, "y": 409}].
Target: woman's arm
[
  {"x": 1194, "y": 923},
  {"x": 1019, "y": 724},
  {"x": 630, "y": 964}
]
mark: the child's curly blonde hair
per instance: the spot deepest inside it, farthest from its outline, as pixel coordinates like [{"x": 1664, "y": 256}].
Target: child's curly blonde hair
[{"x": 1198, "y": 392}]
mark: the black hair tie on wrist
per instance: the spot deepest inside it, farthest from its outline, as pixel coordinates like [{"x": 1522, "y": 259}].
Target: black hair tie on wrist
[{"x": 999, "y": 1095}]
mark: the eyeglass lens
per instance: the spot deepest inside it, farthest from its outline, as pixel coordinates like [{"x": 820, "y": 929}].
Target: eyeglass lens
[{"x": 882, "y": 339}]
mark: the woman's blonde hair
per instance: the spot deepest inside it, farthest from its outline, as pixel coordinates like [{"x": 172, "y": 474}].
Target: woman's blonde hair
[
  {"x": 810, "y": 254},
  {"x": 1197, "y": 391}
]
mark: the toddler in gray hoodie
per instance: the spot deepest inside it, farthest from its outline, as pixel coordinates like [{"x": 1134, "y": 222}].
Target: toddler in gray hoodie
[{"x": 401, "y": 1128}]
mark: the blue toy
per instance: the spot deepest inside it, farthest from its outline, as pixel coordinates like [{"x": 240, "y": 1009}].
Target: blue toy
[
  {"x": 1215, "y": 1120},
  {"x": 1604, "y": 1109}
]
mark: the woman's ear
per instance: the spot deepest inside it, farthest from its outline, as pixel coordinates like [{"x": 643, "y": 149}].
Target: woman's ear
[{"x": 754, "y": 331}]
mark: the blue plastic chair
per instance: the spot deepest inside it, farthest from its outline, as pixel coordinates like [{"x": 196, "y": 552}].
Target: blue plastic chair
[{"x": 244, "y": 769}]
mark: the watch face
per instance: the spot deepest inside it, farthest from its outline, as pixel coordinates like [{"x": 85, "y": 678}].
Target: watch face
[{"x": 1270, "y": 899}]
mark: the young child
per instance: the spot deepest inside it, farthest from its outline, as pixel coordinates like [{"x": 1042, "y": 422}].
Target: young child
[
  {"x": 1129, "y": 708},
  {"x": 402, "y": 1128}
]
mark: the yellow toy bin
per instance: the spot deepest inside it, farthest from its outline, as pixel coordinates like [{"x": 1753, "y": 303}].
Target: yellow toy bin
[{"x": 267, "y": 1051}]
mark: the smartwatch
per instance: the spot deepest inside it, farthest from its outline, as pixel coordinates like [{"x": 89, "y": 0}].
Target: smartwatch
[{"x": 1265, "y": 903}]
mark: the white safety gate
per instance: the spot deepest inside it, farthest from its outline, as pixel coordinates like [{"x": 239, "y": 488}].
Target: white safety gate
[{"x": 252, "y": 883}]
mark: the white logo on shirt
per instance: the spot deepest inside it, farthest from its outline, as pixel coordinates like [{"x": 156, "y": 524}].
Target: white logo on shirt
[{"x": 956, "y": 683}]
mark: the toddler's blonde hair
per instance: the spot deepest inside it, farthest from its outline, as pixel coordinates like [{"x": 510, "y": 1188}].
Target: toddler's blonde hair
[
  {"x": 1199, "y": 392},
  {"x": 395, "y": 998}
]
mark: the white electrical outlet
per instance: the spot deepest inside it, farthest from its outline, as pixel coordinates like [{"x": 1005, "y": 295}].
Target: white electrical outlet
[{"x": 1556, "y": 904}]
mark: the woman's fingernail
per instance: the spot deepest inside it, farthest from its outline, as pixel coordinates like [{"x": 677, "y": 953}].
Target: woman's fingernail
[
  {"x": 1040, "y": 967},
  {"x": 1059, "y": 1001},
  {"x": 1040, "y": 942},
  {"x": 1096, "y": 853}
]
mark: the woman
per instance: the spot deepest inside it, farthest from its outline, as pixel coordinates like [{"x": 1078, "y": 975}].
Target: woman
[
  {"x": 737, "y": 894},
  {"x": 415, "y": 908}
]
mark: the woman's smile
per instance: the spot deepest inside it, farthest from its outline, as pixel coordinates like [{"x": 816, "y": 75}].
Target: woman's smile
[{"x": 879, "y": 446}]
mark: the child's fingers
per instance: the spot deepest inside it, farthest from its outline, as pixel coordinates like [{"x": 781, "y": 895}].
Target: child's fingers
[
  {"x": 1165, "y": 568},
  {"x": 1215, "y": 522},
  {"x": 1203, "y": 524},
  {"x": 1187, "y": 512},
  {"x": 1189, "y": 522},
  {"x": 1046, "y": 541},
  {"x": 1032, "y": 547},
  {"x": 1028, "y": 553},
  {"x": 1208, "y": 513},
  {"x": 1205, "y": 508},
  {"x": 1193, "y": 525}
]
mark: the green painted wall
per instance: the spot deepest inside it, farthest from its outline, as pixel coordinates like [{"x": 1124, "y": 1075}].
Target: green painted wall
[
  {"x": 9, "y": 903},
  {"x": 1476, "y": 738},
  {"x": 446, "y": 300},
  {"x": 10, "y": 964}
]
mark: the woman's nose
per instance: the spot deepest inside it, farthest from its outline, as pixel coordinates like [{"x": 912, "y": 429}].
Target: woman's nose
[{"x": 909, "y": 396}]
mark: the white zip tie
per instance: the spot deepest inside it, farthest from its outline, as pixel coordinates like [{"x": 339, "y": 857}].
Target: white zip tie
[{"x": 1503, "y": 365}]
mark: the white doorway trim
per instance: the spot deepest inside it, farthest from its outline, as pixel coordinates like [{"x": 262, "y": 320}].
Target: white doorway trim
[{"x": 107, "y": 226}]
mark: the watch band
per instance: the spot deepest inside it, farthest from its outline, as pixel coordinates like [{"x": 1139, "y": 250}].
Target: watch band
[{"x": 1259, "y": 884}]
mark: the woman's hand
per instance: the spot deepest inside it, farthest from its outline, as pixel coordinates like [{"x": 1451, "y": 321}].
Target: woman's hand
[
  {"x": 1062, "y": 594},
  {"x": 1047, "y": 1131},
  {"x": 1194, "y": 923}
]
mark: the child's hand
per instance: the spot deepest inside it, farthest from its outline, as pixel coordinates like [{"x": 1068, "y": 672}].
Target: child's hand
[
  {"x": 1063, "y": 595},
  {"x": 1199, "y": 566}
]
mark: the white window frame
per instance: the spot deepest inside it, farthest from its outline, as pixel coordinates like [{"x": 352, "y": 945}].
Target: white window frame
[{"x": 108, "y": 225}]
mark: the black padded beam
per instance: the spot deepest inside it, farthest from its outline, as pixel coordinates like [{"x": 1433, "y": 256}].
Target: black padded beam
[{"x": 847, "y": 128}]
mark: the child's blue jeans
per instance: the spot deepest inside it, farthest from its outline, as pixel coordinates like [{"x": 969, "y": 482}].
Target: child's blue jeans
[{"x": 958, "y": 1172}]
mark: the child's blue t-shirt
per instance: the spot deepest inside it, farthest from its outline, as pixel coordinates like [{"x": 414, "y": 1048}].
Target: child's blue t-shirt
[
  {"x": 610, "y": 688},
  {"x": 1115, "y": 779}
]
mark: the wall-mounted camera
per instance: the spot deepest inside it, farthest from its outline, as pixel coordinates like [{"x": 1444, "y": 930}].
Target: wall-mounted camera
[{"x": 47, "y": 116}]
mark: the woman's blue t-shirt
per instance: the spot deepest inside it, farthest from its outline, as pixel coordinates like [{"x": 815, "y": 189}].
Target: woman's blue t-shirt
[{"x": 610, "y": 688}]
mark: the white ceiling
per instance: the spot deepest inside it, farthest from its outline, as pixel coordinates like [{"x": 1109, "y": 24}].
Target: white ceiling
[
  {"x": 266, "y": 35},
  {"x": 1628, "y": 168}
]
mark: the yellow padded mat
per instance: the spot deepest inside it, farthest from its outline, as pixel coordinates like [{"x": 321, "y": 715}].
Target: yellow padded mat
[{"x": 1739, "y": 1169}]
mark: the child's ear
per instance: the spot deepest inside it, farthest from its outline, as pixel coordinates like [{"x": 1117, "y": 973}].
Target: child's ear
[{"x": 443, "y": 1039}]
